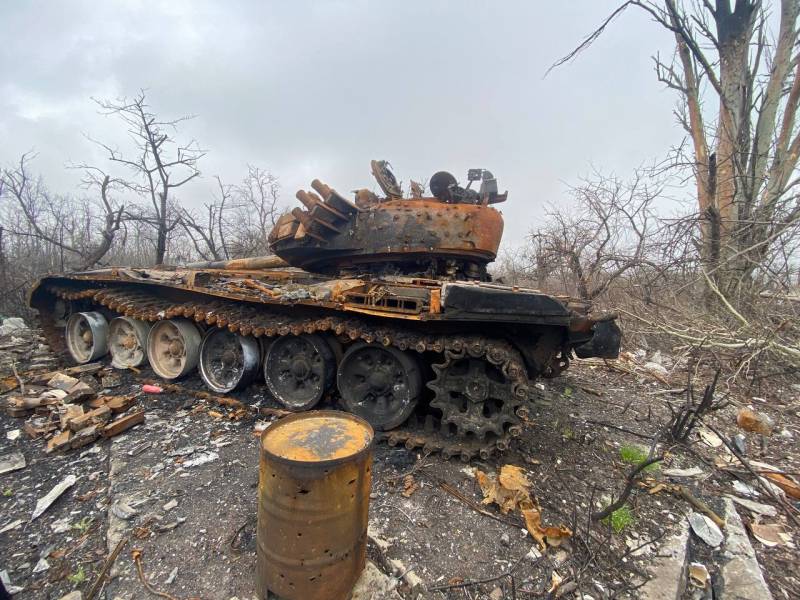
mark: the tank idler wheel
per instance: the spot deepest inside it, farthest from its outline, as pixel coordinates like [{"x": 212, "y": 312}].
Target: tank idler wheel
[
  {"x": 228, "y": 361},
  {"x": 380, "y": 384},
  {"x": 87, "y": 336},
  {"x": 173, "y": 347},
  {"x": 298, "y": 370},
  {"x": 127, "y": 342}
]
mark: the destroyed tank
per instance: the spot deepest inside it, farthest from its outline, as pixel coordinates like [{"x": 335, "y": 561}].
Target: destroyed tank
[{"x": 383, "y": 303}]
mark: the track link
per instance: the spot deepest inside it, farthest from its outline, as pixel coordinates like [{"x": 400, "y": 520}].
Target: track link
[{"x": 427, "y": 433}]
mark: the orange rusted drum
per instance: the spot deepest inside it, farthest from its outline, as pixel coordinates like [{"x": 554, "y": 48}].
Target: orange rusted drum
[{"x": 313, "y": 500}]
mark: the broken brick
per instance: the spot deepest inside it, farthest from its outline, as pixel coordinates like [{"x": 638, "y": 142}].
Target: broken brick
[
  {"x": 60, "y": 381},
  {"x": 60, "y": 441},
  {"x": 119, "y": 404},
  {"x": 79, "y": 392},
  {"x": 93, "y": 417},
  {"x": 123, "y": 424},
  {"x": 85, "y": 436},
  {"x": 71, "y": 411}
]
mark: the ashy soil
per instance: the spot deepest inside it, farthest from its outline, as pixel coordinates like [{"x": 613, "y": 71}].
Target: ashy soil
[{"x": 181, "y": 491}]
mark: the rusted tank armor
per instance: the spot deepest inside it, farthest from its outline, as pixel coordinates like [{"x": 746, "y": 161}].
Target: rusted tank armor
[{"x": 383, "y": 303}]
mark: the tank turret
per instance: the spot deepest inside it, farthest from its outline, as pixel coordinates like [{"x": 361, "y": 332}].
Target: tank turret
[{"x": 453, "y": 233}]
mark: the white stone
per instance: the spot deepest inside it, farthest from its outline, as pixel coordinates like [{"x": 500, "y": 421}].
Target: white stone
[
  {"x": 668, "y": 568},
  {"x": 741, "y": 575},
  {"x": 706, "y": 529}
]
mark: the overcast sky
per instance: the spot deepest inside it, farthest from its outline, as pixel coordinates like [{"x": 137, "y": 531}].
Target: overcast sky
[{"x": 317, "y": 89}]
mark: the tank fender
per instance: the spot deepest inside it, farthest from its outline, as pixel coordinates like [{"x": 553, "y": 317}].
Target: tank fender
[{"x": 605, "y": 342}]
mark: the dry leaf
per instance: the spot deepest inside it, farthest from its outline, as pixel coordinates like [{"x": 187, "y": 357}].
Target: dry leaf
[
  {"x": 786, "y": 484},
  {"x": 510, "y": 491},
  {"x": 215, "y": 414},
  {"x": 698, "y": 575},
  {"x": 770, "y": 535},
  {"x": 409, "y": 486},
  {"x": 544, "y": 536},
  {"x": 657, "y": 488},
  {"x": 555, "y": 581}
]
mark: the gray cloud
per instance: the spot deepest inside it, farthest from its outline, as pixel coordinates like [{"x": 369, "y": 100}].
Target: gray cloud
[{"x": 317, "y": 89}]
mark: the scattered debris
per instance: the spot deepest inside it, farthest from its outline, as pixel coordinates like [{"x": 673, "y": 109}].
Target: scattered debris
[
  {"x": 41, "y": 566},
  {"x": 705, "y": 528},
  {"x": 13, "y": 435},
  {"x": 201, "y": 459},
  {"x": 409, "y": 486},
  {"x": 152, "y": 389},
  {"x": 12, "y": 525},
  {"x": 770, "y": 535},
  {"x": 511, "y": 491},
  {"x": 122, "y": 511},
  {"x": 754, "y": 422},
  {"x": 755, "y": 507},
  {"x": 171, "y": 578},
  {"x": 698, "y": 575},
  {"x": 12, "y": 462},
  {"x": 691, "y": 472},
  {"x": 43, "y": 503},
  {"x": 10, "y": 588}
]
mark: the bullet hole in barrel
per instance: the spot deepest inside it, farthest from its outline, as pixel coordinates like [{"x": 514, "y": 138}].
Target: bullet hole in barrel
[
  {"x": 351, "y": 482},
  {"x": 302, "y": 491}
]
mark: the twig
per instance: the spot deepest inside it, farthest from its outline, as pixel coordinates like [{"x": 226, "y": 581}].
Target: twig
[
  {"x": 622, "y": 429},
  {"x": 464, "y": 584},
  {"x": 474, "y": 505},
  {"x": 100, "y": 581},
  {"x": 137, "y": 558},
  {"x": 623, "y": 497},
  {"x": 18, "y": 378},
  {"x": 684, "y": 493},
  {"x": 786, "y": 508}
]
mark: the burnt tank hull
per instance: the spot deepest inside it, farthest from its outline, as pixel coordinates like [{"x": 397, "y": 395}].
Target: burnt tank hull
[{"x": 381, "y": 305}]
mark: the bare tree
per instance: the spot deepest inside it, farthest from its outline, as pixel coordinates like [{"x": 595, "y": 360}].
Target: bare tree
[
  {"x": 48, "y": 219},
  {"x": 744, "y": 159},
  {"x": 238, "y": 220},
  {"x": 161, "y": 164},
  {"x": 597, "y": 241}
]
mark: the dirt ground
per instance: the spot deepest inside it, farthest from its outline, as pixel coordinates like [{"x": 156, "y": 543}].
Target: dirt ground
[{"x": 181, "y": 489}]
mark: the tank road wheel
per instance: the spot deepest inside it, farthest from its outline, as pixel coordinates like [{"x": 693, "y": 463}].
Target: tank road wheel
[
  {"x": 380, "y": 384},
  {"x": 173, "y": 347},
  {"x": 299, "y": 370},
  {"x": 228, "y": 361},
  {"x": 475, "y": 396},
  {"x": 127, "y": 342},
  {"x": 87, "y": 336}
]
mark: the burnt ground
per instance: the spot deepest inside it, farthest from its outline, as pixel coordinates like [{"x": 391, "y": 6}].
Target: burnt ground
[{"x": 195, "y": 522}]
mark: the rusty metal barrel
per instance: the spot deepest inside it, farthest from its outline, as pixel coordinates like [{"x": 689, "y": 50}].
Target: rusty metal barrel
[{"x": 313, "y": 501}]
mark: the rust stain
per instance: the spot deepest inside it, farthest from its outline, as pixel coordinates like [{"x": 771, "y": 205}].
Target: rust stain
[
  {"x": 314, "y": 482},
  {"x": 316, "y": 438}
]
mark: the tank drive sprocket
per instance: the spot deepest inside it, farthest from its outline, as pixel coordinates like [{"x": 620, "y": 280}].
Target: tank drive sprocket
[{"x": 479, "y": 389}]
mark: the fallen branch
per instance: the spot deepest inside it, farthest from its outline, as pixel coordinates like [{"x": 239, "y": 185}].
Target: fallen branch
[
  {"x": 507, "y": 573},
  {"x": 781, "y": 502},
  {"x": 225, "y": 401},
  {"x": 699, "y": 505},
  {"x": 446, "y": 487},
  {"x": 100, "y": 581},
  {"x": 137, "y": 558},
  {"x": 623, "y": 497}
]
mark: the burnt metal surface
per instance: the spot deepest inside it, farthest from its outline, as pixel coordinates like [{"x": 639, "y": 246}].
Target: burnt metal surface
[
  {"x": 400, "y": 281},
  {"x": 455, "y": 233},
  {"x": 314, "y": 485}
]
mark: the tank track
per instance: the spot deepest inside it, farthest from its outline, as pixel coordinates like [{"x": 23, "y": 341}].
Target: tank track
[{"x": 426, "y": 433}]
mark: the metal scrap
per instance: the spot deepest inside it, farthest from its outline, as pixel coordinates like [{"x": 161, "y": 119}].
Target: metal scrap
[
  {"x": 43, "y": 503},
  {"x": 12, "y": 462}
]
